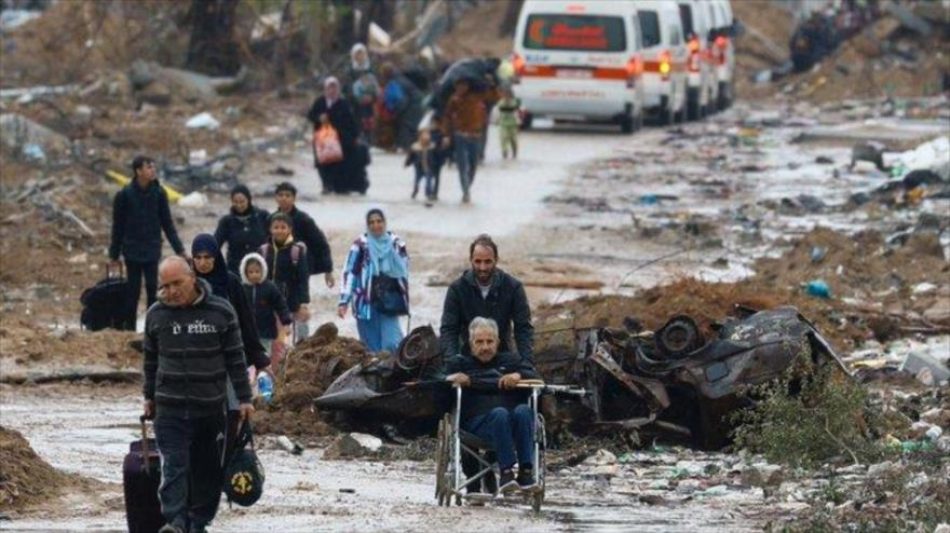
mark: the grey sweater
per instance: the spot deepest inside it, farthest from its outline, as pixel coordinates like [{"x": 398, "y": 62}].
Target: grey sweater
[{"x": 190, "y": 352}]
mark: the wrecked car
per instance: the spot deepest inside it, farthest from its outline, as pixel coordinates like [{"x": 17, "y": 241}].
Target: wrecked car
[{"x": 674, "y": 381}]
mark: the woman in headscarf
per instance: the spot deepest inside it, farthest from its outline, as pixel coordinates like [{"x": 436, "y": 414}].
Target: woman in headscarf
[
  {"x": 364, "y": 90},
  {"x": 378, "y": 261},
  {"x": 331, "y": 108},
  {"x": 210, "y": 266},
  {"x": 243, "y": 230}
]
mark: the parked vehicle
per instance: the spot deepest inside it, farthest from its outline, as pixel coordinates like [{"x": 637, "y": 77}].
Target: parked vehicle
[
  {"x": 665, "y": 57},
  {"x": 702, "y": 84},
  {"x": 579, "y": 61},
  {"x": 723, "y": 48}
]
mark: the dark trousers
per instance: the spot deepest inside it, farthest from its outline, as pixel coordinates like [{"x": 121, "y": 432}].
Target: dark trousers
[
  {"x": 191, "y": 451},
  {"x": 427, "y": 180},
  {"x": 466, "y": 159},
  {"x": 509, "y": 431},
  {"x": 134, "y": 271}
]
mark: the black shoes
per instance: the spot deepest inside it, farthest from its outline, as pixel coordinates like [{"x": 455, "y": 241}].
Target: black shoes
[
  {"x": 526, "y": 479},
  {"x": 506, "y": 482}
]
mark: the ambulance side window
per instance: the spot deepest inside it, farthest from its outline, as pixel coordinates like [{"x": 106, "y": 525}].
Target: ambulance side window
[
  {"x": 650, "y": 28},
  {"x": 675, "y": 38}
]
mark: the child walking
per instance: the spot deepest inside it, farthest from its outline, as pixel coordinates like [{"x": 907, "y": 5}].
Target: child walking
[
  {"x": 422, "y": 157},
  {"x": 269, "y": 305},
  {"x": 508, "y": 108},
  {"x": 287, "y": 267}
]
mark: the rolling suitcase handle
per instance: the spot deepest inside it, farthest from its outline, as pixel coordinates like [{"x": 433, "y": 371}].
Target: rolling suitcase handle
[
  {"x": 145, "y": 463},
  {"x": 115, "y": 273}
]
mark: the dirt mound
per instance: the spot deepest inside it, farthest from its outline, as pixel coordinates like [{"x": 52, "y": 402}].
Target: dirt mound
[
  {"x": 25, "y": 478},
  {"x": 862, "y": 267},
  {"x": 859, "y": 269},
  {"x": 23, "y": 344},
  {"x": 311, "y": 367},
  {"x": 771, "y": 20},
  {"x": 476, "y": 33}
]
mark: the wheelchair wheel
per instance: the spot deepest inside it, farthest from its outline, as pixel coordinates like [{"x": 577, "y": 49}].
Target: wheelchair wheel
[
  {"x": 538, "y": 497},
  {"x": 443, "y": 456}
]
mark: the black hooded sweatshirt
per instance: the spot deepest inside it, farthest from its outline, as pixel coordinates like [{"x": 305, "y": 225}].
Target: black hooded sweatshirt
[{"x": 242, "y": 232}]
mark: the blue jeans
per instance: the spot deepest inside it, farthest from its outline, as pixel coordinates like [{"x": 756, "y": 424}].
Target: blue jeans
[
  {"x": 466, "y": 158},
  {"x": 380, "y": 332},
  {"x": 191, "y": 452},
  {"x": 508, "y": 431}
]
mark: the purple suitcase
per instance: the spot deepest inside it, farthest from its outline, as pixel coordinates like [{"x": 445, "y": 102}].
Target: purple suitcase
[{"x": 141, "y": 475}]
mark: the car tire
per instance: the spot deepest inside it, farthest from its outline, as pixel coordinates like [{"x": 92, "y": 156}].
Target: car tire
[
  {"x": 526, "y": 120},
  {"x": 627, "y": 124},
  {"x": 694, "y": 111},
  {"x": 725, "y": 95}
]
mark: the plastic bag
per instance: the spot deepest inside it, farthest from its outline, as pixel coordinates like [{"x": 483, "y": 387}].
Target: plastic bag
[{"x": 326, "y": 143}]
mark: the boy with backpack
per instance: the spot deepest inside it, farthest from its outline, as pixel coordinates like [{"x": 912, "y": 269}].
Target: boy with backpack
[
  {"x": 287, "y": 267},
  {"x": 268, "y": 304}
]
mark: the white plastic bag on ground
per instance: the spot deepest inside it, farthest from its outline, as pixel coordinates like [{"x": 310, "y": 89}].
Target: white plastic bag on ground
[{"x": 203, "y": 121}]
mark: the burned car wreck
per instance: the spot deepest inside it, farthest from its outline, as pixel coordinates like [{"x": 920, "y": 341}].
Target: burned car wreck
[{"x": 673, "y": 382}]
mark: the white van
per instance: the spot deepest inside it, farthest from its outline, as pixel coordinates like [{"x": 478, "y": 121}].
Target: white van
[
  {"x": 579, "y": 60},
  {"x": 702, "y": 84},
  {"x": 723, "y": 48},
  {"x": 664, "y": 58}
]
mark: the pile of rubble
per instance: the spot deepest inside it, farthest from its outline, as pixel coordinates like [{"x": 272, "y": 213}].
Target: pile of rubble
[
  {"x": 901, "y": 54},
  {"x": 25, "y": 478},
  {"x": 310, "y": 367}
]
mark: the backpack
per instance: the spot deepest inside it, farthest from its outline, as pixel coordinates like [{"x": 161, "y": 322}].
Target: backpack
[
  {"x": 394, "y": 97},
  {"x": 296, "y": 249}
]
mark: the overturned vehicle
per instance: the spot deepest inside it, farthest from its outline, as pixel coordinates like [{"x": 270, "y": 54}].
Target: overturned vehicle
[{"x": 674, "y": 382}]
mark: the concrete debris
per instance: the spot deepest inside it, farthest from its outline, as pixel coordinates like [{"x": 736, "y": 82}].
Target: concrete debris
[
  {"x": 601, "y": 458},
  {"x": 928, "y": 369},
  {"x": 763, "y": 475},
  {"x": 203, "y": 121},
  {"x": 351, "y": 445}
]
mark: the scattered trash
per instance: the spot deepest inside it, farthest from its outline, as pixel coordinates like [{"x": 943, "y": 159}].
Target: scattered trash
[
  {"x": 288, "y": 445},
  {"x": 195, "y": 199},
  {"x": 818, "y": 288},
  {"x": 818, "y": 253},
  {"x": 203, "y": 121},
  {"x": 925, "y": 365}
]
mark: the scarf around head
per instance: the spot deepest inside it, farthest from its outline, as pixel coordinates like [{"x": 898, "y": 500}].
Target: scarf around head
[
  {"x": 242, "y": 189},
  {"x": 384, "y": 257},
  {"x": 218, "y": 277}
]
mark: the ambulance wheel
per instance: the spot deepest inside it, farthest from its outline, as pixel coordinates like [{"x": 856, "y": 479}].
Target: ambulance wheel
[
  {"x": 694, "y": 111},
  {"x": 627, "y": 124},
  {"x": 526, "y": 120}
]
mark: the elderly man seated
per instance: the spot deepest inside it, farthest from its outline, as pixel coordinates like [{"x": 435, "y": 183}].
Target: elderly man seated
[{"x": 492, "y": 408}]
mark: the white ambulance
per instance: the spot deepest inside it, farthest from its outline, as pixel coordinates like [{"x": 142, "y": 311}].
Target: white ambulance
[
  {"x": 665, "y": 57},
  {"x": 579, "y": 60},
  {"x": 702, "y": 83}
]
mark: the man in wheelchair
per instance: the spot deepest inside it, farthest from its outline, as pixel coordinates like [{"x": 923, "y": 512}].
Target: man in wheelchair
[{"x": 493, "y": 408}]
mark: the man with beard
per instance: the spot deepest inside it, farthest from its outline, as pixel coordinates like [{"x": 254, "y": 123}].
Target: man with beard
[{"x": 486, "y": 291}]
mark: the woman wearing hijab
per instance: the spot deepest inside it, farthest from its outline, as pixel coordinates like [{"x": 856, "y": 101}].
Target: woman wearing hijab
[
  {"x": 331, "y": 108},
  {"x": 375, "y": 256},
  {"x": 364, "y": 90},
  {"x": 210, "y": 266},
  {"x": 243, "y": 230}
]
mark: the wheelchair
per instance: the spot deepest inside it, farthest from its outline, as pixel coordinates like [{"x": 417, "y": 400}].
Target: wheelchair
[{"x": 454, "y": 444}]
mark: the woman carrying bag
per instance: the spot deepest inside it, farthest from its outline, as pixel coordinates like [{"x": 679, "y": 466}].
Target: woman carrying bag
[
  {"x": 376, "y": 283},
  {"x": 336, "y": 134}
]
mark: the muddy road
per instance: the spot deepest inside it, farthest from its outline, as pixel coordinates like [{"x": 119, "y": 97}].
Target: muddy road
[{"x": 580, "y": 204}]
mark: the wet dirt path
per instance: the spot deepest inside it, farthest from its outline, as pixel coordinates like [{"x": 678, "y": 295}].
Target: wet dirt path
[{"x": 85, "y": 430}]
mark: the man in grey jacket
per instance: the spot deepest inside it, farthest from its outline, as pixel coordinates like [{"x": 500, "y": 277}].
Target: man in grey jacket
[{"x": 192, "y": 347}]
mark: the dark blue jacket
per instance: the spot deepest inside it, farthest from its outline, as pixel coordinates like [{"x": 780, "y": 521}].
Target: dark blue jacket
[
  {"x": 268, "y": 304},
  {"x": 243, "y": 234},
  {"x": 138, "y": 218},
  {"x": 292, "y": 278},
  {"x": 484, "y": 395}
]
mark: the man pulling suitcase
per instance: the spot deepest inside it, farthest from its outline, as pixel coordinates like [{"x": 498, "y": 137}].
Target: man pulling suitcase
[{"x": 192, "y": 346}]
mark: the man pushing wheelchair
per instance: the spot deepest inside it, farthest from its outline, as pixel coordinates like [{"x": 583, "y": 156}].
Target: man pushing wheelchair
[{"x": 494, "y": 408}]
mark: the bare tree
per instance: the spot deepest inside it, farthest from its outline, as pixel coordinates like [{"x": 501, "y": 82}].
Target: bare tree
[{"x": 213, "y": 49}]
